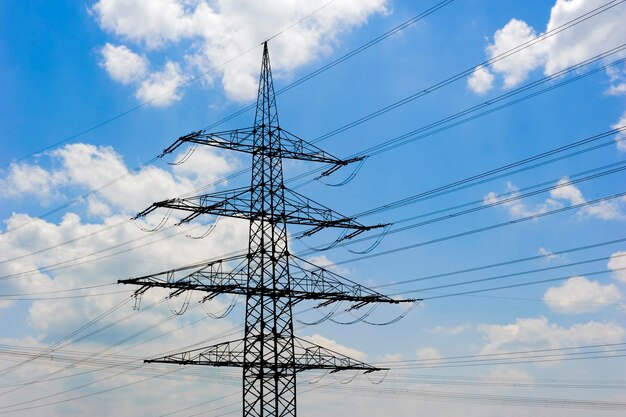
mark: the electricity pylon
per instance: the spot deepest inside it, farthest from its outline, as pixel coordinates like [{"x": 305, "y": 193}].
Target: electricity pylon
[{"x": 271, "y": 278}]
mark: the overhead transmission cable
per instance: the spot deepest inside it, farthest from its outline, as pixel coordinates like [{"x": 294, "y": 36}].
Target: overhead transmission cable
[
  {"x": 405, "y": 24},
  {"x": 168, "y": 92},
  {"x": 479, "y": 205},
  {"x": 504, "y": 263},
  {"x": 523, "y": 284},
  {"x": 437, "y": 191},
  {"x": 434, "y": 87},
  {"x": 149, "y": 162},
  {"x": 473, "y": 231},
  {"x": 454, "y": 186},
  {"x": 511, "y": 275}
]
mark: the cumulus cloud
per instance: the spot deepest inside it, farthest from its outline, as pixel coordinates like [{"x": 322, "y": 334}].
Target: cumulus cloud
[
  {"x": 481, "y": 80},
  {"x": 515, "y": 68},
  {"x": 569, "y": 47},
  {"x": 563, "y": 192},
  {"x": 616, "y": 263},
  {"x": 122, "y": 64},
  {"x": 79, "y": 252},
  {"x": 529, "y": 333},
  {"x": 566, "y": 191},
  {"x": 205, "y": 34},
  {"x": 160, "y": 88},
  {"x": 30, "y": 179},
  {"x": 580, "y": 295},
  {"x": 85, "y": 166},
  {"x": 586, "y": 40}
]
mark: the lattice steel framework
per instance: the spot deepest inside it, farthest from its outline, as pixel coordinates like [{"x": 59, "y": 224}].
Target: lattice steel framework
[{"x": 271, "y": 278}]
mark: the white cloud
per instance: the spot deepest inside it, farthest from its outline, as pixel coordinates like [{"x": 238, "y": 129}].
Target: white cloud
[
  {"x": 209, "y": 33},
  {"x": 336, "y": 347},
  {"x": 122, "y": 64},
  {"x": 618, "y": 261},
  {"x": 620, "y": 138},
  {"x": 569, "y": 47},
  {"x": 481, "y": 80},
  {"x": 605, "y": 210},
  {"x": 563, "y": 191},
  {"x": 528, "y": 333},
  {"x": 586, "y": 40},
  {"x": 84, "y": 166},
  {"x": 428, "y": 354},
  {"x": 29, "y": 179},
  {"x": 580, "y": 295},
  {"x": 153, "y": 22},
  {"x": 515, "y": 68},
  {"x": 160, "y": 87},
  {"x": 566, "y": 191},
  {"x": 517, "y": 208},
  {"x": 42, "y": 322}
]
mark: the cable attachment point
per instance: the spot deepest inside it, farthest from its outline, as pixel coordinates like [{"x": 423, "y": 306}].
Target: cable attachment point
[{"x": 350, "y": 177}]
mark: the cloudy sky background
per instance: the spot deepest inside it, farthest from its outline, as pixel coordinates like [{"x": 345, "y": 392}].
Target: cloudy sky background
[{"x": 93, "y": 92}]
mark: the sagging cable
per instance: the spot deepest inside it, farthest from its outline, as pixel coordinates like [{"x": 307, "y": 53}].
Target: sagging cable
[
  {"x": 323, "y": 319},
  {"x": 374, "y": 245},
  {"x": 358, "y": 319},
  {"x": 185, "y": 157},
  {"x": 224, "y": 313},
  {"x": 397, "y": 319},
  {"x": 164, "y": 220},
  {"x": 183, "y": 308},
  {"x": 350, "y": 177},
  {"x": 203, "y": 235}
]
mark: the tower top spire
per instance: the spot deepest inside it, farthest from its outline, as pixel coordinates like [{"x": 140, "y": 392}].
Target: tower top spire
[{"x": 266, "y": 112}]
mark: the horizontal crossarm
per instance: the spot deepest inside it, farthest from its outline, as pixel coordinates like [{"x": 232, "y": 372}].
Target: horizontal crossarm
[
  {"x": 209, "y": 277},
  {"x": 307, "y": 356},
  {"x": 236, "y": 203},
  {"x": 242, "y": 140},
  {"x": 308, "y": 282}
]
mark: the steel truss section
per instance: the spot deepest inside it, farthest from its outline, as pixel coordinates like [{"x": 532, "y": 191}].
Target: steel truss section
[
  {"x": 299, "y": 210},
  {"x": 271, "y": 279},
  {"x": 307, "y": 356},
  {"x": 308, "y": 282}
]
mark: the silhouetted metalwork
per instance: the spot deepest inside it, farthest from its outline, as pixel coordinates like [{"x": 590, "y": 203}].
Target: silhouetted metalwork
[{"x": 271, "y": 279}]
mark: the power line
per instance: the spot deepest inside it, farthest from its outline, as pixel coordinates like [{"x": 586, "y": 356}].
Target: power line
[
  {"x": 431, "y": 88},
  {"x": 166, "y": 93},
  {"x": 505, "y": 263},
  {"x": 473, "y": 231},
  {"x": 524, "y": 284},
  {"x": 498, "y": 200},
  {"x": 407, "y": 23},
  {"x": 513, "y": 274}
]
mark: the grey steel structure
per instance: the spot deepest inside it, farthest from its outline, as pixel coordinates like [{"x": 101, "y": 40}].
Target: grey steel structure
[{"x": 271, "y": 279}]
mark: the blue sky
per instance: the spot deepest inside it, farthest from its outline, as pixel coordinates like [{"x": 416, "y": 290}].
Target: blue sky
[{"x": 72, "y": 67}]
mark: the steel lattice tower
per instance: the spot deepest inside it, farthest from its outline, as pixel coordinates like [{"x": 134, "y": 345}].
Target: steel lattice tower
[{"x": 271, "y": 278}]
